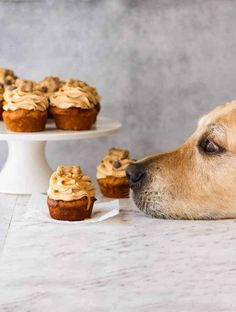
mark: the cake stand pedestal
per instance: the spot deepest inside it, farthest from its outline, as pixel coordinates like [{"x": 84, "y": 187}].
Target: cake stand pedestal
[{"x": 26, "y": 170}]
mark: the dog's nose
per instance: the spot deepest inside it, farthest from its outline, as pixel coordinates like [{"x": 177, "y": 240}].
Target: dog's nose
[{"x": 134, "y": 173}]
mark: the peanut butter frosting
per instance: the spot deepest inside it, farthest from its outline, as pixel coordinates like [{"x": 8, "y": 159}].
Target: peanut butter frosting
[
  {"x": 68, "y": 183},
  {"x": 25, "y": 95},
  {"x": 75, "y": 93},
  {"x": 114, "y": 164},
  {"x": 50, "y": 84},
  {"x": 7, "y": 76}
]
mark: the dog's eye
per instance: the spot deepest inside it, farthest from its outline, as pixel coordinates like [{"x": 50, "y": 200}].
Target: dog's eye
[{"x": 210, "y": 148}]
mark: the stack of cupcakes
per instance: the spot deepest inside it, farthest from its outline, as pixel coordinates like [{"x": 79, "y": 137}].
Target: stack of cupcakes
[{"x": 73, "y": 104}]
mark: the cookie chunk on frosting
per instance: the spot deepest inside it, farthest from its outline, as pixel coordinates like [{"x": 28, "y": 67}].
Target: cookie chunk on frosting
[
  {"x": 24, "y": 94},
  {"x": 50, "y": 84},
  {"x": 114, "y": 163},
  {"x": 75, "y": 93},
  {"x": 69, "y": 183},
  {"x": 7, "y": 77}
]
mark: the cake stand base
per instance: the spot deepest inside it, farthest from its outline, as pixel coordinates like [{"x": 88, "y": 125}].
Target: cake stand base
[{"x": 26, "y": 170}]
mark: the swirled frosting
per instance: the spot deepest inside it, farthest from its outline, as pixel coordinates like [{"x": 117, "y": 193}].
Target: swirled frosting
[
  {"x": 68, "y": 183},
  {"x": 24, "y": 95},
  {"x": 50, "y": 84},
  {"x": 114, "y": 164},
  {"x": 7, "y": 76},
  {"x": 75, "y": 93}
]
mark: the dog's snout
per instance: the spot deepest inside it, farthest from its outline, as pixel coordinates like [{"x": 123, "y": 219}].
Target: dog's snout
[{"x": 134, "y": 173}]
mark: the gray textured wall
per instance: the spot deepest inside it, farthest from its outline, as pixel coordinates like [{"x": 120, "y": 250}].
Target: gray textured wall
[{"x": 159, "y": 65}]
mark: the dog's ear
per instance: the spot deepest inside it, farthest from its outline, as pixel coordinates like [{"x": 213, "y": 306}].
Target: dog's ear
[{"x": 202, "y": 120}]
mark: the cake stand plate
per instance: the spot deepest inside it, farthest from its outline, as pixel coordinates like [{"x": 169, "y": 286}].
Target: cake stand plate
[{"x": 26, "y": 170}]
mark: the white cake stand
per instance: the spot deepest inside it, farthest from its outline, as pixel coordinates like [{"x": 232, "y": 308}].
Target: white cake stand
[{"x": 26, "y": 170}]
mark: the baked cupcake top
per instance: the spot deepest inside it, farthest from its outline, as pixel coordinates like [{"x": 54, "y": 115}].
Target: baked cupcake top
[
  {"x": 75, "y": 93},
  {"x": 25, "y": 95},
  {"x": 7, "y": 77},
  {"x": 50, "y": 84},
  {"x": 69, "y": 183},
  {"x": 114, "y": 164}
]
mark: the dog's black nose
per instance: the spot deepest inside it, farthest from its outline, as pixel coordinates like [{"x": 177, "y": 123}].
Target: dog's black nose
[{"x": 134, "y": 173}]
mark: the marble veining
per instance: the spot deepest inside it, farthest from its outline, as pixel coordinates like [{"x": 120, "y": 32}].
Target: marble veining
[{"x": 128, "y": 263}]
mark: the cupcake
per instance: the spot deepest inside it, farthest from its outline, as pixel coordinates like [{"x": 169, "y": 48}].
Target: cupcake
[
  {"x": 25, "y": 107},
  {"x": 71, "y": 194},
  {"x": 111, "y": 174},
  {"x": 1, "y": 99},
  {"x": 7, "y": 77},
  {"x": 92, "y": 91},
  {"x": 48, "y": 86},
  {"x": 75, "y": 106}
]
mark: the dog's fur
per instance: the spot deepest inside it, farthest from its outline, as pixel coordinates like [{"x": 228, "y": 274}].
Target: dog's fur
[{"x": 187, "y": 183}]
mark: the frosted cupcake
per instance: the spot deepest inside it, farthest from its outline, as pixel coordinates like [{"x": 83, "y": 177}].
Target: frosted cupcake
[
  {"x": 7, "y": 77},
  {"x": 93, "y": 94},
  {"x": 25, "y": 107},
  {"x": 71, "y": 194},
  {"x": 111, "y": 174},
  {"x": 74, "y": 106}
]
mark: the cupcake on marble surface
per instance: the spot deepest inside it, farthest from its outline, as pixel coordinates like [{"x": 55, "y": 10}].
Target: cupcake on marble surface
[
  {"x": 25, "y": 107},
  {"x": 7, "y": 77},
  {"x": 75, "y": 106},
  {"x": 111, "y": 174},
  {"x": 71, "y": 194}
]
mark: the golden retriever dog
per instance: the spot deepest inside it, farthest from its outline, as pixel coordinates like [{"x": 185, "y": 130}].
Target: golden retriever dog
[{"x": 196, "y": 180}]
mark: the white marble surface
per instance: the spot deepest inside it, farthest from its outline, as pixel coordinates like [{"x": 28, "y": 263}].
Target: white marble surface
[
  {"x": 128, "y": 263},
  {"x": 7, "y": 205}
]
